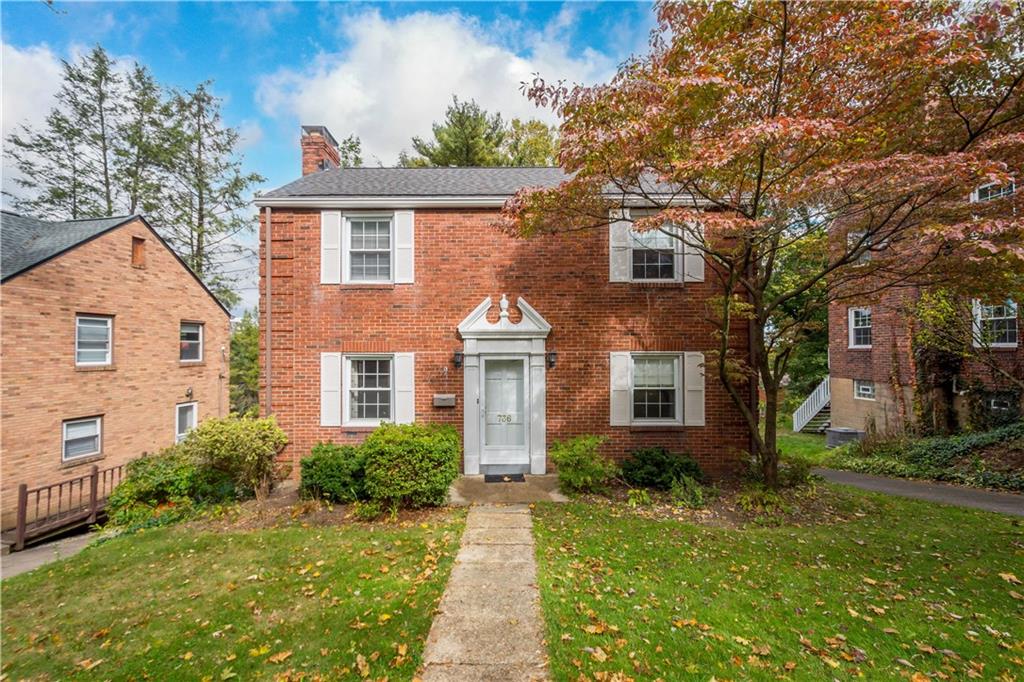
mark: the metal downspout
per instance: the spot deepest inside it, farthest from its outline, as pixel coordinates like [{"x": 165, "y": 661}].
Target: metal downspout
[{"x": 268, "y": 255}]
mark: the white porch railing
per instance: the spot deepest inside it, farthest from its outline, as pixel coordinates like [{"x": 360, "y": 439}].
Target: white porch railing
[{"x": 818, "y": 399}]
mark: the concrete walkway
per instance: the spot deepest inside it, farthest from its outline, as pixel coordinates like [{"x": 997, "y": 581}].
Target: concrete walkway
[
  {"x": 30, "y": 558},
  {"x": 489, "y": 627},
  {"x": 943, "y": 493}
]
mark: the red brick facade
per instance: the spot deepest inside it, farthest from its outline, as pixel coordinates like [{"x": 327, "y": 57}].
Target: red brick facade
[
  {"x": 137, "y": 394},
  {"x": 461, "y": 258},
  {"x": 889, "y": 363}
]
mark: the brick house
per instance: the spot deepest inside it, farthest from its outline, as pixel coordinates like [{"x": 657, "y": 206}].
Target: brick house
[
  {"x": 111, "y": 348},
  {"x": 872, "y": 366},
  {"x": 389, "y": 295}
]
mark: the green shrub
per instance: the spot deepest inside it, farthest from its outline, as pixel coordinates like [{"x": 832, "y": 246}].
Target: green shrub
[
  {"x": 794, "y": 471},
  {"x": 411, "y": 465},
  {"x": 759, "y": 498},
  {"x": 367, "y": 510},
  {"x": 581, "y": 468},
  {"x": 170, "y": 479},
  {"x": 333, "y": 472},
  {"x": 638, "y": 497},
  {"x": 687, "y": 492},
  {"x": 658, "y": 468},
  {"x": 243, "y": 448}
]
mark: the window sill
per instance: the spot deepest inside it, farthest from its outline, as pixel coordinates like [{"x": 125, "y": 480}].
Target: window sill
[
  {"x": 79, "y": 461},
  {"x": 362, "y": 428},
  {"x": 858, "y": 348},
  {"x": 355, "y": 286},
  {"x": 656, "y": 284},
  {"x": 867, "y": 400},
  {"x": 640, "y": 428},
  {"x": 95, "y": 368},
  {"x": 191, "y": 363}
]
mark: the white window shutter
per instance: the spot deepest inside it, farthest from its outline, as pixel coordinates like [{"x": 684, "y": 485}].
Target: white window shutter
[
  {"x": 330, "y": 389},
  {"x": 330, "y": 247},
  {"x": 693, "y": 259},
  {"x": 405, "y": 388},
  {"x": 619, "y": 265},
  {"x": 621, "y": 409},
  {"x": 693, "y": 383},
  {"x": 405, "y": 252},
  {"x": 346, "y": 243}
]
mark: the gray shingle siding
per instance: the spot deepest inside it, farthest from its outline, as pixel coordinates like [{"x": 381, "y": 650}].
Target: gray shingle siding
[
  {"x": 26, "y": 242},
  {"x": 418, "y": 182}
]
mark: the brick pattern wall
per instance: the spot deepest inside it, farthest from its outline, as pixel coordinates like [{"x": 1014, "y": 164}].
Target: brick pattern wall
[
  {"x": 137, "y": 395},
  {"x": 460, "y": 259},
  {"x": 889, "y": 363}
]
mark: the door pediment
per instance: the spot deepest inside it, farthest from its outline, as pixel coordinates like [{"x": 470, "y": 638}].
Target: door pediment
[{"x": 531, "y": 326}]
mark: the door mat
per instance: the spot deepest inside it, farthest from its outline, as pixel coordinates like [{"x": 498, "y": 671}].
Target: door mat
[{"x": 504, "y": 478}]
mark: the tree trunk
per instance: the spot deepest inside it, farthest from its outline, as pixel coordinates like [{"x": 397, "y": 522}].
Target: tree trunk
[{"x": 769, "y": 455}]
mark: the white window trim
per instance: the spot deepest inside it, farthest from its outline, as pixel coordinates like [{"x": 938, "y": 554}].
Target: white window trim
[
  {"x": 678, "y": 359},
  {"x": 110, "y": 340},
  {"x": 178, "y": 435},
  {"x": 346, "y": 247},
  {"x": 677, "y": 254},
  {"x": 64, "y": 438},
  {"x": 849, "y": 329},
  {"x": 346, "y": 383},
  {"x": 977, "y": 341},
  {"x": 976, "y": 194},
  {"x": 874, "y": 390},
  {"x": 202, "y": 334},
  {"x": 1006, "y": 401}
]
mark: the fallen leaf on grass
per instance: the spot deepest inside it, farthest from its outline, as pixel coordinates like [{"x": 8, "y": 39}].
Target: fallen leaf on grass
[
  {"x": 89, "y": 664},
  {"x": 1010, "y": 578},
  {"x": 280, "y": 657}
]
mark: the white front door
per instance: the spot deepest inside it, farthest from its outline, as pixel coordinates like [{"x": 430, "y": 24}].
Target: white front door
[{"x": 504, "y": 411}]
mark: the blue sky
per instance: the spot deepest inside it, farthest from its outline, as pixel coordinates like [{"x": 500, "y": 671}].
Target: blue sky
[{"x": 383, "y": 71}]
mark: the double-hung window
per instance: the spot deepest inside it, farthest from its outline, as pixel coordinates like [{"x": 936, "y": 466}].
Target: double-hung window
[
  {"x": 81, "y": 438},
  {"x": 93, "y": 340},
  {"x": 993, "y": 191},
  {"x": 863, "y": 389},
  {"x": 369, "y": 389},
  {"x": 995, "y": 326},
  {"x": 369, "y": 248},
  {"x": 657, "y": 388},
  {"x": 184, "y": 419},
  {"x": 191, "y": 342},
  {"x": 860, "y": 327},
  {"x": 653, "y": 253}
]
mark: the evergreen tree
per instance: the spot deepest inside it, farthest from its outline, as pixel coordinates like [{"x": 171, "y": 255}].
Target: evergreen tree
[
  {"x": 245, "y": 368},
  {"x": 469, "y": 136},
  {"x": 142, "y": 154},
  {"x": 207, "y": 194},
  {"x": 531, "y": 143}
]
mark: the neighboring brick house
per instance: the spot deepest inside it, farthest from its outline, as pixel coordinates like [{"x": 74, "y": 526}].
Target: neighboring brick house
[
  {"x": 393, "y": 297},
  {"x": 871, "y": 362},
  {"x": 111, "y": 348}
]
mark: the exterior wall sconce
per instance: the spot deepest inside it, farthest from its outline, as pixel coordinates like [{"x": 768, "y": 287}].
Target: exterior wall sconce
[
  {"x": 457, "y": 359},
  {"x": 552, "y": 359}
]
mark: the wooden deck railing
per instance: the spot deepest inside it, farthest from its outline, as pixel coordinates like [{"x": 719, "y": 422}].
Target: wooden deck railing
[{"x": 74, "y": 501}]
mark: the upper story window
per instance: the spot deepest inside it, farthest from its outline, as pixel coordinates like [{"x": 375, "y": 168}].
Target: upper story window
[
  {"x": 368, "y": 389},
  {"x": 657, "y": 388},
  {"x": 993, "y": 190},
  {"x": 369, "y": 248},
  {"x": 995, "y": 325},
  {"x": 653, "y": 253},
  {"x": 860, "y": 327},
  {"x": 93, "y": 340},
  {"x": 191, "y": 342},
  {"x": 81, "y": 438}
]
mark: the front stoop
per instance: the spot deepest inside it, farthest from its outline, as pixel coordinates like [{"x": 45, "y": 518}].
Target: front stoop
[{"x": 489, "y": 627}]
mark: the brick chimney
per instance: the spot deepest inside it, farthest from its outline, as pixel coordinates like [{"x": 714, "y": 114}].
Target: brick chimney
[{"x": 319, "y": 150}]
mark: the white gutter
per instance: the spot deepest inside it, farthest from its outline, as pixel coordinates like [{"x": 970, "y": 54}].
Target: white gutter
[{"x": 472, "y": 201}]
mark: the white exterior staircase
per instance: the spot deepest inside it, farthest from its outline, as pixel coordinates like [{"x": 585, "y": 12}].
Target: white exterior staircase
[{"x": 815, "y": 414}]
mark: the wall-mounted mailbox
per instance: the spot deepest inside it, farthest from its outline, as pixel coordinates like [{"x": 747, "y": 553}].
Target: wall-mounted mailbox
[{"x": 444, "y": 400}]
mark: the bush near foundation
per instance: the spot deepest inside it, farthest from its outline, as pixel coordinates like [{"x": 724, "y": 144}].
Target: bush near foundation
[
  {"x": 335, "y": 473},
  {"x": 411, "y": 465}
]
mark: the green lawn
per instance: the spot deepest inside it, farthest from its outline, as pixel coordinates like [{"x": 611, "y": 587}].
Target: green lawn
[
  {"x": 808, "y": 446},
  {"x": 902, "y": 588},
  {"x": 177, "y": 603}
]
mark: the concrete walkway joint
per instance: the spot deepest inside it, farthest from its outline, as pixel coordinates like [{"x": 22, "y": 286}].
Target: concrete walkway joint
[
  {"x": 944, "y": 493},
  {"x": 488, "y": 627}
]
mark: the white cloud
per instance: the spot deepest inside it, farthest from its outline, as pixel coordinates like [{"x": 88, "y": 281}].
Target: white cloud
[
  {"x": 395, "y": 77},
  {"x": 250, "y": 134},
  {"x": 30, "y": 79}
]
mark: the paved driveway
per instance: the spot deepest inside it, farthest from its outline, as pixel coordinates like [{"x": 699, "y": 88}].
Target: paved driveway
[{"x": 943, "y": 493}]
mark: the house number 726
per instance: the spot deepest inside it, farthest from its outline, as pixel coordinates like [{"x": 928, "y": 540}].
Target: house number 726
[{"x": 504, "y": 419}]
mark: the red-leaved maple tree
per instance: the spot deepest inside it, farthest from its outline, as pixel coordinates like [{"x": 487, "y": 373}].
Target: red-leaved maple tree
[{"x": 840, "y": 139}]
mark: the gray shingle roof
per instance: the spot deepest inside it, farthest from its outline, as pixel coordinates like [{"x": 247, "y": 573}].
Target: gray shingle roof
[
  {"x": 419, "y": 182},
  {"x": 26, "y": 242}
]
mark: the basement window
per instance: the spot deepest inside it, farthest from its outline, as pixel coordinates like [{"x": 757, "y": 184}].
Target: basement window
[
  {"x": 81, "y": 438},
  {"x": 863, "y": 389}
]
